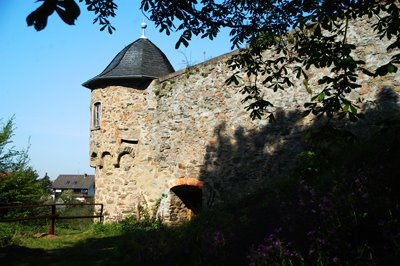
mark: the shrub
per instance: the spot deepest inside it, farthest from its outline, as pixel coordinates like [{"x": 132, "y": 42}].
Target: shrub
[{"x": 7, "y": 232}]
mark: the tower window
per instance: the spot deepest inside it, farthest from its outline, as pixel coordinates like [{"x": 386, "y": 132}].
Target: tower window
[{"x": 96, "y": 114}]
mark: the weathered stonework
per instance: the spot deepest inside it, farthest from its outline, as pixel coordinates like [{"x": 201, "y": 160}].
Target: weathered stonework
[{"x": 185, "y": 142}]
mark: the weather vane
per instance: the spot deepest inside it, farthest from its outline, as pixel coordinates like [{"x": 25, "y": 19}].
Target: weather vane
[{"x": 143, "y": 25}]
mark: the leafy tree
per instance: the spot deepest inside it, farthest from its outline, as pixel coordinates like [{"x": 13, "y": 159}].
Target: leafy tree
[
  {"x": 21, "y": 187},
  {"x": 10, "y": 159},
  {"x": 67, "y": 196},
  {"x": 19, "y": 183},
  {"x": 320, "y": 40}
]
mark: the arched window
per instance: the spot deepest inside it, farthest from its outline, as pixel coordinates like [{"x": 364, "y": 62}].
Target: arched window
[{"x": 96, "y": 114}]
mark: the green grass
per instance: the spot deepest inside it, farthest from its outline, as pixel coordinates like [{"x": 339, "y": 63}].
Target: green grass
[
  {"x": 80, "y": 245},
  {"x": 64, "y": 238}
]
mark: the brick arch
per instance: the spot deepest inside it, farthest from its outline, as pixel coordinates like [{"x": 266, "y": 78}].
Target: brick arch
[
  {"x": 186, "y": 198},
  {"x": 185, "y": 181}
]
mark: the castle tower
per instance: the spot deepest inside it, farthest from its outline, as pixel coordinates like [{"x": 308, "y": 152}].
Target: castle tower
[{"x": 126, "y": 180}]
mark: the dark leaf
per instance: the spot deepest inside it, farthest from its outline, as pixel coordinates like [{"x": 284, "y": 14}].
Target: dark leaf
[
  {"x": 367, "y": 72},
  {"x": 71, "y": 8},
  {"x": 385, "y": 69},
  {"x": 232, "y": 79},
  {"x": 306, "y": 112},
  {"x": 65, "y": 16},
  {"x": 183, "y": 41},
  {"x": 38, "y": 18},
  {"x": 271, "y": 118},
  {"x": 110, "y": 30}
]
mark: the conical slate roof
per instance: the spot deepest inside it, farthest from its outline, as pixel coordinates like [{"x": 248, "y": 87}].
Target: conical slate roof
[{"x": 139, "y": 61}]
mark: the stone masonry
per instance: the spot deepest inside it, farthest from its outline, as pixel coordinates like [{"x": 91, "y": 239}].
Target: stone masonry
[{"x": 185, "y": 142}]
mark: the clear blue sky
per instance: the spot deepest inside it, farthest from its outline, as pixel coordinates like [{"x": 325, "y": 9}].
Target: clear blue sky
[{"x": 41, "y": 75}]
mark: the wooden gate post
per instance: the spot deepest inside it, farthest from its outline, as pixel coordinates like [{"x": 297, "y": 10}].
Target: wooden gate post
[
  {"x": 52, "y": 219},
  {"x": 101, "y": 213}
]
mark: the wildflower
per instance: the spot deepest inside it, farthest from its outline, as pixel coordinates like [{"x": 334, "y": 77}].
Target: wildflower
[
  {"x": 218, "y": 238},
  {"x": 311, "y": 233},
  {"x": 311, "y": 251},
  {"x": 335, "y": 260}
]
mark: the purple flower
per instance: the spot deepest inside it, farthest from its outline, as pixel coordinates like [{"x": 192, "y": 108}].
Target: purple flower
[
  {"x": 335, "y": 260},
  {"x": 218, "y": 238},
  {"x": 311, "y": 251}
]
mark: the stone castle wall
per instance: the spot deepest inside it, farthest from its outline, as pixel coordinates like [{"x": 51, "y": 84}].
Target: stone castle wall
[
  {"x": 126, "y": 181},
  {"x": 186, "y": 142}
]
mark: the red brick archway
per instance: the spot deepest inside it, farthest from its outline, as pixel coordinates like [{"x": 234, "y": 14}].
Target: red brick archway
[
  {"x": 186, "y": 191},
  {"x": 185, "y": 181}
]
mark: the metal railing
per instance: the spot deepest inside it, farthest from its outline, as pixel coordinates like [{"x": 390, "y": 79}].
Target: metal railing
[{"x": 53, "y": 216}]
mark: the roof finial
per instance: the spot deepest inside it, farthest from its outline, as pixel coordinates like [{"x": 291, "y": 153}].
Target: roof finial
[{"x": 143, "y": 25}]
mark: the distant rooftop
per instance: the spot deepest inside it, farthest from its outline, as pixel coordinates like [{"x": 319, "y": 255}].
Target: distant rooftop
[
  {"x": 140, "y": 60},
  {"x": 73, "y": 182}
]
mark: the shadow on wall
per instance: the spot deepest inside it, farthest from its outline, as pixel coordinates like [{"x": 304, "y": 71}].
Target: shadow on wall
[{"x": 239, "y": 164}]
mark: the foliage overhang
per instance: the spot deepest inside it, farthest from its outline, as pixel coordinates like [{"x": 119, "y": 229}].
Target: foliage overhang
[{"x": 320, "y": 40}]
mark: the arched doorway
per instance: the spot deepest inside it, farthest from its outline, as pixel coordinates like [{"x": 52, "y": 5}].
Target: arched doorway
[{"x": 186, "y": 199}]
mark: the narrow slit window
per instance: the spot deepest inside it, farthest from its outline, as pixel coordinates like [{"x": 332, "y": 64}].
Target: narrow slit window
[{"x": 96, "y": 114}]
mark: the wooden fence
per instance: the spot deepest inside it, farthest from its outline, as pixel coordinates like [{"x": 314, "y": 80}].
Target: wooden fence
[{"x": 53, "y": 216}]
